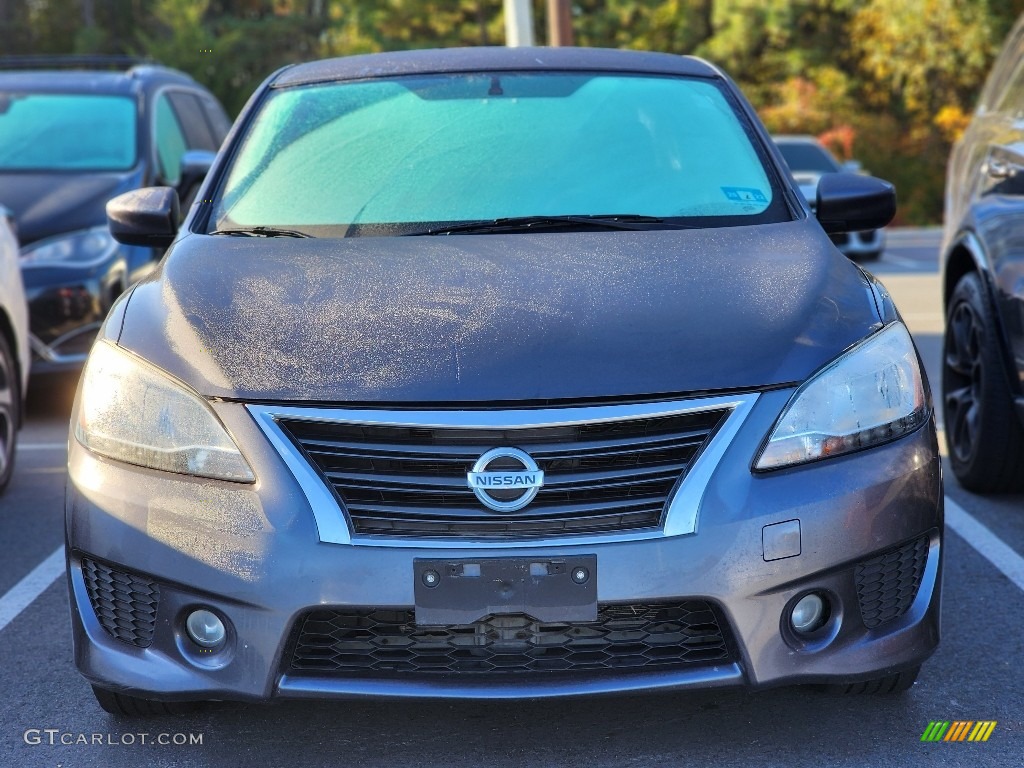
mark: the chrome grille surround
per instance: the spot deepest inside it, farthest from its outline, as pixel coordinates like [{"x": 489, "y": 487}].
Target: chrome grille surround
[{"x": 675, "y": 516}]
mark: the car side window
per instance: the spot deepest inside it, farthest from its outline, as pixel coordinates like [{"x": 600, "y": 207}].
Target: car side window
[
  {"x": 218, "y": 119},
  {"x": 198, "y": 132},
  {"x": 170, "y": 141}
]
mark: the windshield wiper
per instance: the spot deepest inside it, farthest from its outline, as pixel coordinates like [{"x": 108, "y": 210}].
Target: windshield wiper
[
  {"x": 260, "y": 232},
  {"x": 518, "y": 223}
]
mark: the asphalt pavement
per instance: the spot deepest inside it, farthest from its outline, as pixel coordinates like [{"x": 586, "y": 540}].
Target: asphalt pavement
[{"x": 49, "y": 718}]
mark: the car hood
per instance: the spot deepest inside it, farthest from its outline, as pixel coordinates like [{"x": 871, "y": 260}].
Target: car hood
[
  {"x": 497, "y": 318},
  {"x": 48, "y": 204}
]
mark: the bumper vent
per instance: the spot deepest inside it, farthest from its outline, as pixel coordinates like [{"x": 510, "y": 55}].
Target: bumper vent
[
  {"x": 380, "y": 643},
  {"x": 887, "y": 584},
  {"x": 125, "y": 604},
  {"x": 410, "y": 481}
]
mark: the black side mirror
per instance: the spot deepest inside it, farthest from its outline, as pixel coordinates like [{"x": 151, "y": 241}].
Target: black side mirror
[
  {"x": 195, "y": 164},
  {"x": 147, "y": 216},
  {"x": 849, "y": 202}
]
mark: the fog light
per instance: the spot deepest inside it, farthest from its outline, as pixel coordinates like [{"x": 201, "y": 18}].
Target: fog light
[
  {"x": 205, "y": 628},
  {"x": 808, "y": 613}
]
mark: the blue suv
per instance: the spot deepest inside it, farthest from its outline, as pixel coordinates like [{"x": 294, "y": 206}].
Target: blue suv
[{"x": 74, "y": 133}]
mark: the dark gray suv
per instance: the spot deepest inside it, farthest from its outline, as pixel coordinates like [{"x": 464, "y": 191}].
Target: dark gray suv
[
  {"x": 983, "y": 285},
  {"x": 501, "y": 373}
]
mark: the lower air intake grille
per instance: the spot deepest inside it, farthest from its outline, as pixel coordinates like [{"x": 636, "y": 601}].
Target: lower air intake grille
[
  {"x": 369, "y": 642},
  {"x": 124, "y": 603},
  {"x": 887, "y": 584}
]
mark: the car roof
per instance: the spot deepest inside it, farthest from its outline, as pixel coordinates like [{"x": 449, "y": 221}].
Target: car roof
[
  {"x": 91, "y": 81},
  {"x": 439, "y": 61}
]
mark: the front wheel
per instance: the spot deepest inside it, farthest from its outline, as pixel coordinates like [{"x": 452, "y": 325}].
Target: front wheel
[
  {"x": 10, "y": 412},
  {"x": 985, "y": 437}
]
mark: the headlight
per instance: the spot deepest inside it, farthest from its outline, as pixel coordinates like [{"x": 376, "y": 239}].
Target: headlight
[
  {"x": 78, "y": 249},
  {"x": 871, "y": 394},
  {"x": 131, "y": 411}
]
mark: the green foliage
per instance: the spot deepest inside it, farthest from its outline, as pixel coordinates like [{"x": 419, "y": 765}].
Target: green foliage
[
  {"x": 909, "y": 57},
  {"x": 891, "y": 81},
  {"x": 53, "y": 22},
  {"x": 921, "y": 64},
  {"x": 361, "y": 26},
  {"x": 672, "y": 26}
]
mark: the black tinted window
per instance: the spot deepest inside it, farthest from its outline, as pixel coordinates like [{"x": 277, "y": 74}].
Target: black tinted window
[
  {"x": 808, "y": 157},
  {"x": 198, "y": 133},
  {"x": 215, "y": 114}
]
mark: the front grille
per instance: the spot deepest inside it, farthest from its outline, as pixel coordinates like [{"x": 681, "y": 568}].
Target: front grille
[
  {"x": 410, "y": 481},
  {"x": 371, "y": 642},
  {"x": 887, "y": 584},
  {"x": 125, "y": 603}
]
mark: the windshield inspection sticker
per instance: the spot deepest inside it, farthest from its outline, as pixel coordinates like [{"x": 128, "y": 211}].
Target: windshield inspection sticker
[{"x": 744, "y": 195}]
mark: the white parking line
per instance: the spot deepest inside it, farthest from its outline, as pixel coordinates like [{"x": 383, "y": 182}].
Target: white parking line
[
  {"x": 42, "y": 446},
  {"x": 986, "y": 543},
  {"x": 22, "y": 594}
]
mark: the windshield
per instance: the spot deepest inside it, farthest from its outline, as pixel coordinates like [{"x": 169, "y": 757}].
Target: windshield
[
  {"x": 384, "y": 156},
  {"x": 806, "y": 157},
  {"x": 66, "y": 132}
]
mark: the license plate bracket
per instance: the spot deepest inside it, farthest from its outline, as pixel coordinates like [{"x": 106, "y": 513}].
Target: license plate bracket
[{"x": 550, "y": 589}]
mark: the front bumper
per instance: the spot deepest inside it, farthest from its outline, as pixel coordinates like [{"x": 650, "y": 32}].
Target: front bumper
[
  {"x": 67, "y": 303},
  {"x": 66, "y": 307},
  {"x": 253, "y": 555}
]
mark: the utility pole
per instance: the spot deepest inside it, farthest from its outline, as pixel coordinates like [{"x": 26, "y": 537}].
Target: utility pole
[
  {"x": 560, "y": 22},
  {"x": 518, "y": 23},
  {"x": 88, "y": 13}
]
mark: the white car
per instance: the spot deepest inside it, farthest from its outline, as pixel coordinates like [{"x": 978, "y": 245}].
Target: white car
[
  {"x": 14, "y": 350},
  {"x": 808, "y": 160}
]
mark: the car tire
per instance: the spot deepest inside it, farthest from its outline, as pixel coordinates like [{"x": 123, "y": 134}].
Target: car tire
[
  {"x": 10, "y": 412},
  {"x": 984, "y": 435},
  {"x": 896, "y": 683},
  {"x": 869, "y": 256},
  {"x": 123, "y": 705}
]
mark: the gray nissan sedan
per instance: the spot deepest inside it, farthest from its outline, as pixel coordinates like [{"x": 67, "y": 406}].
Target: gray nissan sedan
[{"x": 501, "y": 373}]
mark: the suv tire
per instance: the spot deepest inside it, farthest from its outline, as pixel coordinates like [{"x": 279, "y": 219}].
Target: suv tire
[
  {"x": 10, "y": 412},
  {"x": 983, "y": 432}
]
